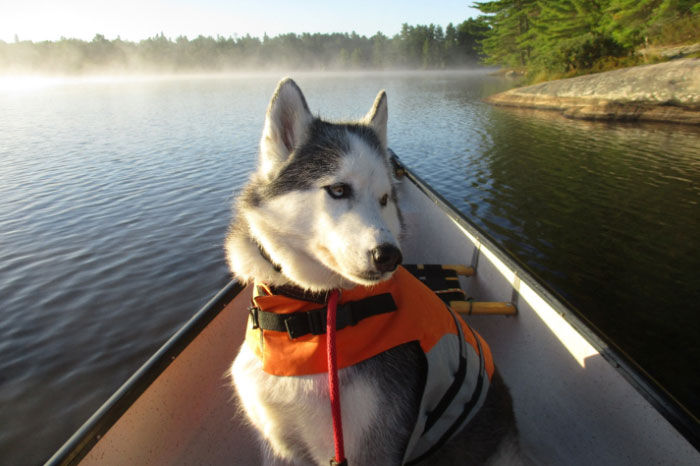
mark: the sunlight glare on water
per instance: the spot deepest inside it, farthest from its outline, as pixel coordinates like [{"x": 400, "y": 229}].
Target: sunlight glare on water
[
  {"x": 27, "y": 83},
  {"x": 11, "y": 84}
]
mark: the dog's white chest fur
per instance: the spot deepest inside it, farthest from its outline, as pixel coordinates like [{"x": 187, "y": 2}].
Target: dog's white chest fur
[{"x": 293, "y": 413}]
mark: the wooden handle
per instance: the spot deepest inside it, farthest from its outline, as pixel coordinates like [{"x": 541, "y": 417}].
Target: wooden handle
[
  {"x": 483, "y": 308},
  {"x": 463, "y": 270}
]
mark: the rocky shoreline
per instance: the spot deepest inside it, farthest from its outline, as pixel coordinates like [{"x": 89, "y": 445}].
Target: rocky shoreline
[{"x": 666, "y": 92}]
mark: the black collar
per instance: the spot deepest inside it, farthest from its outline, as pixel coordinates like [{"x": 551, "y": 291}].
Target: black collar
[{"x": 291, "y": 291}]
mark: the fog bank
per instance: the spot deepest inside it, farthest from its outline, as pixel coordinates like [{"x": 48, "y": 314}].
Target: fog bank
[{"x": 416, "y": 47}]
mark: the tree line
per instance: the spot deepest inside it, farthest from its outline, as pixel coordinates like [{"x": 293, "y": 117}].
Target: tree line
[
  {"x": 574, "y": 36},
  {"x": 415, "y": 47}
]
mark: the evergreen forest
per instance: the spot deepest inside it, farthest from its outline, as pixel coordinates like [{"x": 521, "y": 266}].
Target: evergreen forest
[{"x": 555, "y": 38}]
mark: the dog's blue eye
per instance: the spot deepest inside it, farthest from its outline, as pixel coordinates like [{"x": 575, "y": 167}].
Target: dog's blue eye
[{"x": 339, "y": 190}]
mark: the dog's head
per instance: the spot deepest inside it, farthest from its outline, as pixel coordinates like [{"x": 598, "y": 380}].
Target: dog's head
[{"x": 321, "y": 211}]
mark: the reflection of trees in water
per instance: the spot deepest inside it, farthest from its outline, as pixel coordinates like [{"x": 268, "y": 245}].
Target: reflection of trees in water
[{"x": 608, "y": 215}]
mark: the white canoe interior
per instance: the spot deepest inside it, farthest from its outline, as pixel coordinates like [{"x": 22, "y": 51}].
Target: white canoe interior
[{"x": 573, "y": 406}]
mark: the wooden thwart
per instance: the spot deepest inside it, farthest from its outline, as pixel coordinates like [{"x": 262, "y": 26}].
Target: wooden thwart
[
  {"x": 463, "y": 270},
  {"x": 483, "y": 308}
]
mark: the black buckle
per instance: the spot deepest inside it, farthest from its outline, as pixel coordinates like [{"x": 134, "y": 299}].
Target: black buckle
[
  {"x": 253, "y": 312},
  {"x": 298, "y": 324},
  {"x": 313, "y": 322}
]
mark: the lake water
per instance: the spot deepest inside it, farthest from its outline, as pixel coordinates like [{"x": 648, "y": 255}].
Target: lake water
[{"x": 115, "y": 198}]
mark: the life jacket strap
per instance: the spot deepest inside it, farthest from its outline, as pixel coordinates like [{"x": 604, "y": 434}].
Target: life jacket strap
[
  {"x": 443, "y": 280},
  {"x": 436, "y": 277},
  {"x": 298, "y": 324}
]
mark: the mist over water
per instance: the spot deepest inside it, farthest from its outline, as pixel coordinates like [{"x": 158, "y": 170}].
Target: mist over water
[
  {"x": 115, "y": 196},
  {"x": 415, "y": 47}
]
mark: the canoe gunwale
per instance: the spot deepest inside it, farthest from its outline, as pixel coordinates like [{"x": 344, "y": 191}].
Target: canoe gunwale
[
  {"x": 652, "y": 391},
  {"x": 82, "y": 441}
]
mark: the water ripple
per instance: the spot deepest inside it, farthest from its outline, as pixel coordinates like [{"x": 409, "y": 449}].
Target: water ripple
[{"x": 116, "y": 199}]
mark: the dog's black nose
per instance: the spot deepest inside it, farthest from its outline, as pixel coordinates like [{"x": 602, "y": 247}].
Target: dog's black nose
[{"x": 386, "y": 257}]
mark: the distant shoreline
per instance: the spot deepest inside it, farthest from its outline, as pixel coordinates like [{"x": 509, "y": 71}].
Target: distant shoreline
[
  {"x": 107, "y": 74},
  {"x": 665, "y": 92},
  {"x": 415, "y": 47},
  {"x": 27, "y": 82}
]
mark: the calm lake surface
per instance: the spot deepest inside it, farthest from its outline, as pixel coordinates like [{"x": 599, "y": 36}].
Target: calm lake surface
[{"x": 115, "y": 198}]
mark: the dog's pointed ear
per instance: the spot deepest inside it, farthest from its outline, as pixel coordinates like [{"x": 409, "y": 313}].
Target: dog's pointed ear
[
  {"x": 378, "y": 116},
  {"x": 286, "y": 126}
]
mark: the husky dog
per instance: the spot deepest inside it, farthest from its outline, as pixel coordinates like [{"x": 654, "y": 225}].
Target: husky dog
[{"x": 321, "y": 213}]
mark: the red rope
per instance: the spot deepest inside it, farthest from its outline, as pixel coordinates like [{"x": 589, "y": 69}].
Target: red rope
[{"x": 333, "y": 384}]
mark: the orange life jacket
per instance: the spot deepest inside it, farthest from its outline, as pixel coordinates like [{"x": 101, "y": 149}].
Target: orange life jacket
[
  {"x": 421, "y": 316},
  {"x": 458, "y": 373}
]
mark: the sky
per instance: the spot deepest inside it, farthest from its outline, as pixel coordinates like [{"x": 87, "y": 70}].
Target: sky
[{"x": 133, "y": 20}]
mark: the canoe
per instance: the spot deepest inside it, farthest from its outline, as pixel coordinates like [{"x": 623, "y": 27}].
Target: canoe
[{"x": 577, "y": 399}]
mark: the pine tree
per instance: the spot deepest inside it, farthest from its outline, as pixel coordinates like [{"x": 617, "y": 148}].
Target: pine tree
[
  {"x": 570, "y": 35},
  {"x": 507, "y": 41},
  {"x": 630, "y": 21},
  {"x": 470, "y": 34},
  {"x": 450, "y": 45},
  {"x": 567, "y": 19}
]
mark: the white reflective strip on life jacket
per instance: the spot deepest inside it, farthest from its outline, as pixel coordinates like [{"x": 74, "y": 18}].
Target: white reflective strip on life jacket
[{"x": 443, "y": 364}]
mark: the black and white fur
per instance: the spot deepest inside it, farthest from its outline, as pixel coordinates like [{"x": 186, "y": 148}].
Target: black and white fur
[{"x": 321, "y": 213}]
